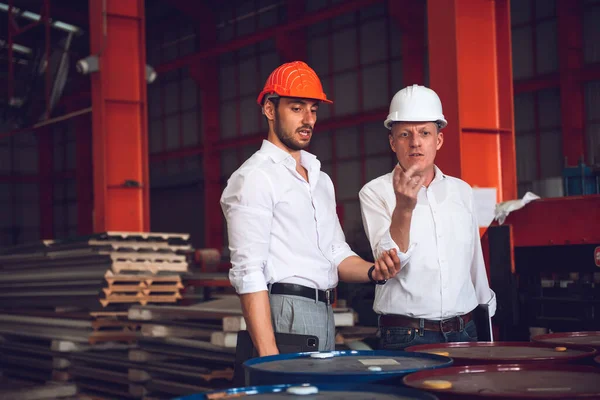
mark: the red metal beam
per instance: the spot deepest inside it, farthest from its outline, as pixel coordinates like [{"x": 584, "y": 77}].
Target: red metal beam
[
  {"x": 194, "y": 9},
  {"x": 46, "y": 183},
  {"x": 590, "y": 72},
  {"x": 291, "y": 45},
  {"x": 459, "y": 32},
  {"x": 410, "y": 17},
  {"x": 570, "y": 59},
  {"x": 506, "y": 112},
  {"x": 539, "y": 83},
  {"x": 35, "y": 178},
  {"x": 255, "y": 138},
  {"x": 19, "y": 178},
  {"x": 84, "y": 181},
  {"x": 206, "y": 75},
  {"x": 120, "y": 136},
  {"x": 310, "y": 19}
]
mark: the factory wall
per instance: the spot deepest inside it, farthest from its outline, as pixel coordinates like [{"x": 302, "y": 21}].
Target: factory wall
[
  {"x": 539, "y": 142},
  {"x": 359, "y": 59}
]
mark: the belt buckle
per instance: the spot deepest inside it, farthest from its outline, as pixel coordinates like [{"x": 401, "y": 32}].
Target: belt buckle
[{"x": 327, "y": 296}]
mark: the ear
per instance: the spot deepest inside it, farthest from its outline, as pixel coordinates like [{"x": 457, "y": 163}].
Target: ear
[
  {"x": 392, "y": 142},
  {"x": 440, "y": 140},
  {"x": 269, "y": 110}
]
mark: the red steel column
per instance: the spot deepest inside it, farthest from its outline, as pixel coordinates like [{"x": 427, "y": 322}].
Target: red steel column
[
  {"x": 84, "y": 177},
  {"x": 291, "y": 45},
  {"x": 119, "y": 118},
  {"x": 570, "y": 58},
  {"x": 470, "y": 69},
  {"x": 410, "y": 17},
  {"x": 206, "y": 75},
  {"x": 46, "y": 182}
]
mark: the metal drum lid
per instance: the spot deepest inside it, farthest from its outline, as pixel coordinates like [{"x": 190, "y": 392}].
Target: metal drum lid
[
  {"x": 506, "y": 352},
  {"x": 510, "y": 381},
  {"x": 590, "y": 338},
  {"x": 315, "y": 391},
  {"x": 346, "y": 364}
]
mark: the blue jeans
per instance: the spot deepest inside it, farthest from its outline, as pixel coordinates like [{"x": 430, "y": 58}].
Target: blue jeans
[{"x": 398, "y": 338}]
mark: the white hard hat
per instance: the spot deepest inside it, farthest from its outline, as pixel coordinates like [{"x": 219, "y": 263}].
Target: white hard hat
[{"x": 416, "y": 103}]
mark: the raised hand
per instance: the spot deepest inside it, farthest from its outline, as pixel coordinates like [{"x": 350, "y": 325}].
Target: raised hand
[
  {"x": 386, "y": 266},
  {"x": 406, "y": 187}
]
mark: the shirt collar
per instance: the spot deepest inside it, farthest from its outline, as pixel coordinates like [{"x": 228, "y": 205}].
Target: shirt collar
[
  {"x": 278, "y": 155},
  {"x": 439, "y": 175}
]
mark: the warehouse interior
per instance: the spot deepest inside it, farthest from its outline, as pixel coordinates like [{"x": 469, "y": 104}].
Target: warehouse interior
[{"x": 122, "y": 120}]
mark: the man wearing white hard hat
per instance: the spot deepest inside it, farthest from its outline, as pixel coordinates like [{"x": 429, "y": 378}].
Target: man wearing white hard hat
[{"x": 428, "y": 218}]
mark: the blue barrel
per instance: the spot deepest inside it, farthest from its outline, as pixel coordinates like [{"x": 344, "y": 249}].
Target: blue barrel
[
  {"x": 344, "y": 367},
  {"x": 313, "y": 392}
]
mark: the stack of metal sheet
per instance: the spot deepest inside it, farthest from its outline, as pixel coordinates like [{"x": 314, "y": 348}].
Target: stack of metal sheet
[
  {"x": 38, "y": 348},
  {"x": 11, "y": 388},
  {"x": 97, "y": 271},
  {"x": 65, "y": 305},
  {"x": 175, "y": 355}
]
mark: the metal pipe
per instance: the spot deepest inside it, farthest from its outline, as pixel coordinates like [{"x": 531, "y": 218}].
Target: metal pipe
[{"x": 36, "y": 17}]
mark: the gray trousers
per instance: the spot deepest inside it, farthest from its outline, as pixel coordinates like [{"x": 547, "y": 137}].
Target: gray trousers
[{"x": 296, "y": 314}]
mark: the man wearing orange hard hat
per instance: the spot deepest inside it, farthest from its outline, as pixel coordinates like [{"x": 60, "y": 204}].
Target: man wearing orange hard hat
[{"x": 287, "y": 245}]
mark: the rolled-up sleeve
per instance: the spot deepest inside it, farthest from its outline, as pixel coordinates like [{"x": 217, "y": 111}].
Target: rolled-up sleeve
[
  {"x": 340, "y": 249},
  {"x": 377, "y": 221},
  {"x": 247, "y": 203}
]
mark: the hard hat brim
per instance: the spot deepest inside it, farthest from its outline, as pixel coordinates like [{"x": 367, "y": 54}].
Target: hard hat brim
[
  {"x": 442, "y": 122},
  {"x": 262, "y": 96}
]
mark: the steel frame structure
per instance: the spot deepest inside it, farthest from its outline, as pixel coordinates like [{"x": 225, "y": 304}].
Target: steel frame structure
[
  {"x": 477, "y": 124},
  {"x": 495, "y": 134},
  {"x": 570, "y": 77},
  {"x": 119, "y": 118}
]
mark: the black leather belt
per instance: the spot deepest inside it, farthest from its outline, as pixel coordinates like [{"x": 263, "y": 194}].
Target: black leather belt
[
  {"x": 292, "y": 289},
  {"x": 446, "y": 325}
]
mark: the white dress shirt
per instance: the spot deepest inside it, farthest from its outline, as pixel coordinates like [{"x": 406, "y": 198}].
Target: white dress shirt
[
  {"x": 282, "y": 228},
  {"x": 443, "y": 272}
]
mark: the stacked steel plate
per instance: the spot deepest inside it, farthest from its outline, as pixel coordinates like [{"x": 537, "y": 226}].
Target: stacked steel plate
[{"x": 63, "y": 305}]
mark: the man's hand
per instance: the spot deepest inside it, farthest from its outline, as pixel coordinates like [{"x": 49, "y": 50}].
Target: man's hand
[
  {"x": 386, "y": 266},
  {"x": 406, "y": 187}
]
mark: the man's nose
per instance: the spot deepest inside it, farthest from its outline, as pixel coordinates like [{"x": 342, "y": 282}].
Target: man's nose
[
  {"x": 309, "y": 118},
  {"x": 415, "y": 141}
]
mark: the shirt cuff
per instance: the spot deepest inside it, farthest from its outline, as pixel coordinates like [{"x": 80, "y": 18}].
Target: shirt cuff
[
  {"x": 387, "y": 243},
  {"x": 247, "y": 282},
  {"x": 492, "y": 304}
]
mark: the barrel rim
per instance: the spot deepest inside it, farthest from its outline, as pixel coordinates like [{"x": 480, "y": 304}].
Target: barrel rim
[
  {"x": 253, "y": 363},
  {"x": 412, "y": 379},
  {"x": 588, "y": 351},
  {"x": 563, "y": 335},
  {"x": 327, "y": 387}
]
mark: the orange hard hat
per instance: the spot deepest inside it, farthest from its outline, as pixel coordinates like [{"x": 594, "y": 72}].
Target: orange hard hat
[{"x": 294, "y": 79}]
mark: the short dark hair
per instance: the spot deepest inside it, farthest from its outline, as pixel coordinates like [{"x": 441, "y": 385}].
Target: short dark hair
[{"x": 275, "y": 101}]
